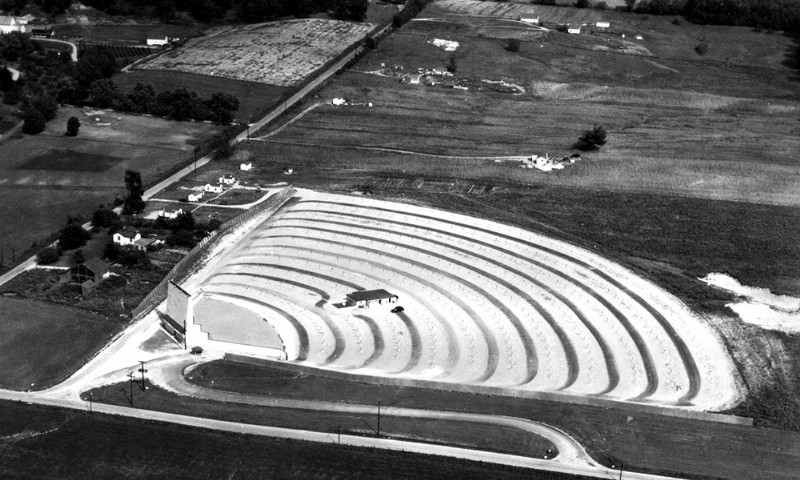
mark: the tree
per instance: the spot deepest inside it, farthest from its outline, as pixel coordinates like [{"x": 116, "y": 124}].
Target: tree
[
  {"x": 133, "y": 202},
  {"x": 451, "y": 65},
  {"x": 582, "y": 3},
  {"x": 355, "y": 10},
  {"x": 77, "y": 257},
  {"x": 182, "y": 238},
  {"x": 104, "y": 93},
  {"x": 104, "y": 217},
  {"x": 512, "y": 44},
  {"x": 73, "y": 124},
  {"x": 6, "y": 80},
  {"x": 142, "y": 98},
  {"x": 629, "y": 4},
  {"x": 73, "y": 236},
  {"x": 47, "y": 105},
  {"x": 591, "y": 139},
  {"x": 33, "y": 121},
  {"x": 48, "y": 256},
  {"x": 221, "y": 108}
]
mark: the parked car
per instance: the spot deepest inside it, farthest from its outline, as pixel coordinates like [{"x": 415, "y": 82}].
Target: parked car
[{"x": 397, "y": 309}]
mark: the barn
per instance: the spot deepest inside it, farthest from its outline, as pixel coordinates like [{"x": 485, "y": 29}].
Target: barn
[{"x": 364, "y": 298}]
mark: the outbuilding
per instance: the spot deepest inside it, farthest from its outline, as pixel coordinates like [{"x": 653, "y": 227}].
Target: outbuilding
[{"x": 94, "y": 270}]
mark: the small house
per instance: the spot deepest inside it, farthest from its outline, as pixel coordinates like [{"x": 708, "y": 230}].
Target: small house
[
  {"x": 212, "y": 188},
  {"x": 339, "y": 101},
  {"x": 94, "y": 270},
  {"x": 365, "y": 298},
  {"x": 246, "y": 167},
  {"x": 574, "y": 30},
  {"x": 126, "y": 236},
  {"x": 227, "y": 179},
  {"x": 169, "y": 213},
  {"x": 88, "y": 287},
  {"x": 602, "y": 24},
  {"x": 157, "y": 42},
  {"x": 194, "y": 197}
]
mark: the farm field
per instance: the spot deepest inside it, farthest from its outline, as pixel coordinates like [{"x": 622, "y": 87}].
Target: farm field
[
  {"x": 51, "y": 176},
  {"x": 74, "y": 445},
  {"x": 277, "y": 53},
  {"x": 253, "y": 97},
  {"x": 553, "y": 318},
  {"x": 41, "y": 343}
]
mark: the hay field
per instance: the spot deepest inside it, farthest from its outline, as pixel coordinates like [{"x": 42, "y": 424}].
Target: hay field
[{"x": 277, "y": 53}]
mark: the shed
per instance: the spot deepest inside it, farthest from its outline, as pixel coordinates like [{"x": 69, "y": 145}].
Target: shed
[
  {"x": 87, "y": 287},
  {"x": 364, "y": 298},
  {"x": 227, "y": 179},
  {"x": 158, "y": 41},
  {"x": 530, "y": 20},
  {"x": 144, "y": 243},
  {"x": 602, "y": 24},
  {"x": 94, "y": 270},
  {"x": 574, "y": 30},
  {"x": 193, "y": 197},
  {"x": 246, "y": 167}
]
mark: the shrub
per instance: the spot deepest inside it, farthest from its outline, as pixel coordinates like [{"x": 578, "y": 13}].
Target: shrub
[
  {"x": 451, "y": 65},
  {"x": 104, "y": 217},
  {"x": 591, "y": 139},
  {"x": 34, "y": 121},
  {"x": 582, "y": 3},
  {"x": 601, "y": 5},
  {"x": 47, "y": 106},
  {"x": 48, "y": 256},
  {"x": 73, "y": 236},
  {"x": 701, "y": 49},
  {"x": 73, "y": 124},
  {"x": 11, "y": 98},
  {"x": 512, "y": 44}
]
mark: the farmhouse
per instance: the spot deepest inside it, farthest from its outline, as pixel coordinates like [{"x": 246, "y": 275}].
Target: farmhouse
[
  {"x": 10, "y": 24},
  {"x": 212, "y": 188},
  {"x": 574, "y": 30},
  {"x": 246, "y": 167},
  {"x": 602, "y": 24},
  {"x": 530, "y": 20},
  {"x": 227, "y": 179},
  {"x": 169, "y": 213},
  {"x": 126, "y": 236},
  {"x": 194, "y": 197},
  {"x": 364, "y": 298}
]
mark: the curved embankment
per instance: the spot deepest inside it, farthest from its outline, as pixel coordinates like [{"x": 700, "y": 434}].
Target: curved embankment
[{"x": 485, "y": 304}]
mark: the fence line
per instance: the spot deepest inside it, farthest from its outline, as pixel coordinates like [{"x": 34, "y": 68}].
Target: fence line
[{"x": 159, "y": 293}]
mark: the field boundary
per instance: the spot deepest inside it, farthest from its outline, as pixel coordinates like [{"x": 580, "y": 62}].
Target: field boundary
[
  {"x": 483, "y": 390},
  {"x": 159, "y": 293}
]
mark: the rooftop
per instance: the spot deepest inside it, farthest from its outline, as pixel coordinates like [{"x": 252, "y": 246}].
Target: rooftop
[{"x": 368, "y": 295}]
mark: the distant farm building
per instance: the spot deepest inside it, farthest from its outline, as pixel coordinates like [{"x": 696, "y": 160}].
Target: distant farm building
[
  {"x": 169, "y": 213},
  {"x": 94, "y": 270},
  {"x": 212, "y": 188},
  {"x": 530, "y": 20},
  {"x": 246, "y": 167},
  {"x": 144, "y": 244},
  {"x": 227, "y": 179},
  {"x": 157, "y": 41},
  {"x": 11, "y": 24},
  {"x": 194, "y": 197},
  {"x": 42, "y": 32},
  {"x": 602, "y": 24},
  {"x": 574, "y": 30},
  {"x": 364, "y": 298},
  {"x": 126, "y": 236}
]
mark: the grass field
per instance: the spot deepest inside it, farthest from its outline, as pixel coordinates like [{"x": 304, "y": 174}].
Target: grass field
[
  {"x": 70, "y": 161},
  {"x": 41, "y": 344},
  {"x": 253, "y": 97},
  {"x": 79, "y": 446},
  {"x": 645, "y": 442},
  {"x": 499, "y": 439}
]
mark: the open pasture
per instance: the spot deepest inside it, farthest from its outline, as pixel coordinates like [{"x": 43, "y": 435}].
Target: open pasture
[
  {"x": 277, "y": 53},
  {"x": 42, "y": 343},
  {"x": 485, "y": 305},
  {"x": 123, "y": 34}
]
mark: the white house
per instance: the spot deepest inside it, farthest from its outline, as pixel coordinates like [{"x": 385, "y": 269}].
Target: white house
[
  {"x": 246, "y": 167},
  {"x": 169, "y": 214},
  {"x": 227, "y": 179},
  {"x": 574, "y": 30},
  {"x": 157, "y": 41},
  {"x": 602, "y": 24},
  {"x": 530, "y": 20},
  {"x": 212, "y": 188},
  {"x": 10, "y": 24},
  {"x": 193, "y": 197},
  {"x": 338, "y": 101},
  {"x": 126, "y": 236}
]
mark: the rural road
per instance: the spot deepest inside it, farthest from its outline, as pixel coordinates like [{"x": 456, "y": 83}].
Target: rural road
[{"x": 73, "y": 53}]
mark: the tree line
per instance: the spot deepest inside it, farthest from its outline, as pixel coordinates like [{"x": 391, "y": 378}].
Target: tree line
[{"x": 768, "y": 14}]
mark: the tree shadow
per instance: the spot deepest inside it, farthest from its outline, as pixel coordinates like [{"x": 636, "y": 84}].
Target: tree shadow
[{"x": 792, "y": 56}]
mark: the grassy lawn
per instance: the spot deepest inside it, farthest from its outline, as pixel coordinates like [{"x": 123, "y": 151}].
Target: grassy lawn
[
  {"x": 123, "y": 34},
  {"x": 70, "y": 160},
  {"x": 80, "y": 446},
  {"x": 485, "y": 437},
  {"x": 41, "y": 344},
  {"x": 645, "y": 442}
]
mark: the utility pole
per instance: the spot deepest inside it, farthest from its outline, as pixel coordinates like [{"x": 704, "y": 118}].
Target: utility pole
[
  {"x": 130, "y": 383},
  {"x": 339, "y": 434},
  {"x": 90, "y": 402},
  {"x": 143, "y": 370},
  {"x": 379, "y": 418}
]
